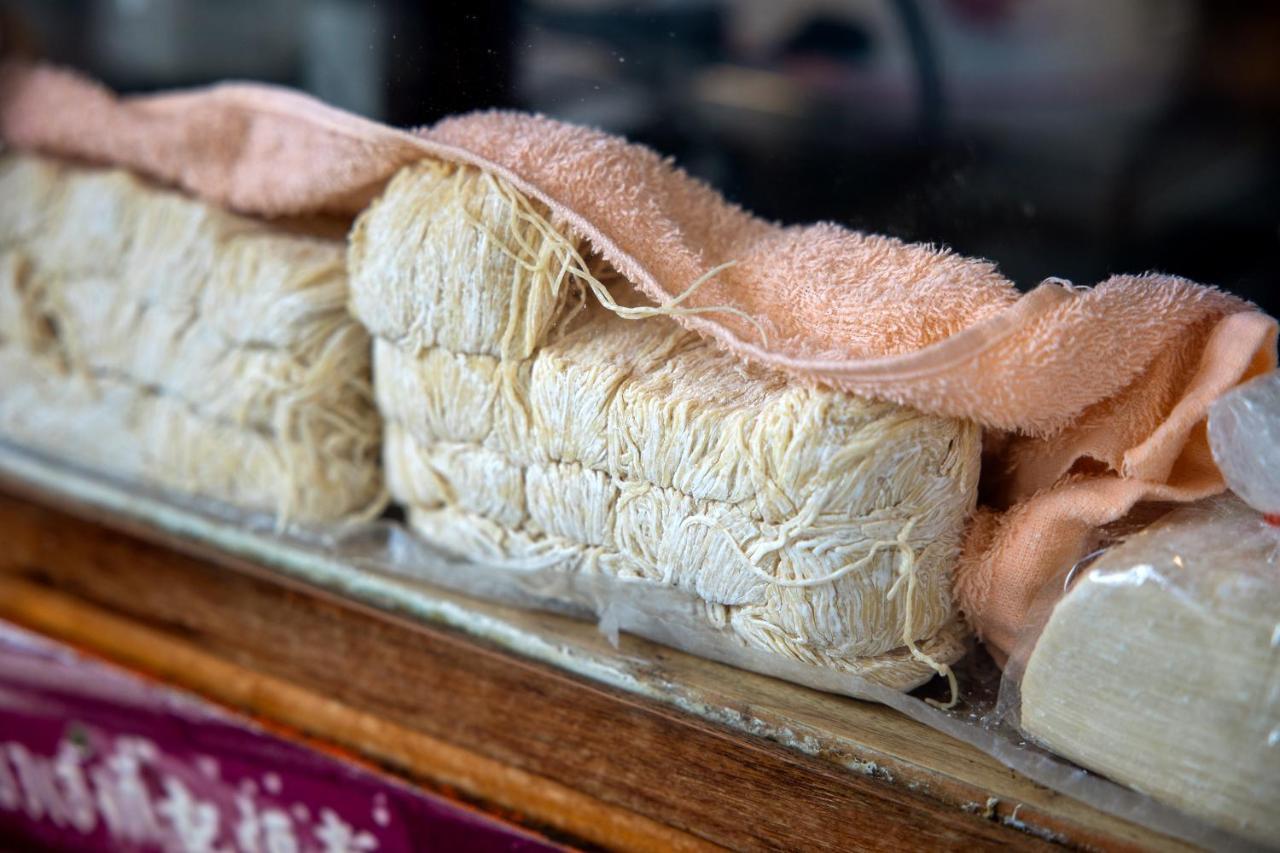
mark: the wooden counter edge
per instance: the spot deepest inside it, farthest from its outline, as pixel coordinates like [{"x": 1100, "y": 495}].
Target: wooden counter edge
[{"x": 568, "y": 810}]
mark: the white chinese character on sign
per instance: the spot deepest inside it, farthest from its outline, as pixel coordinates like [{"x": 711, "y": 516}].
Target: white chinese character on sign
[
  {"x": 77, "y": 798},
  {"x": 278, "y": 829},
  {"x": 272, "y": 783},
  {"x": 123, "y": 799},
  {"x": 208, "y": 767},
  {"x": 248, "y": 827},
  {"x": 267, "y": 831},
  {"x": 337, "y": 836},
  {"x": 194, "y": 823},
  {"x": 40, "y": 795}
]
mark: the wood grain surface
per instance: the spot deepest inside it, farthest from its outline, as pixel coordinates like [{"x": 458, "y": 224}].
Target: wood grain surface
[{"x": 601, "y": 765}]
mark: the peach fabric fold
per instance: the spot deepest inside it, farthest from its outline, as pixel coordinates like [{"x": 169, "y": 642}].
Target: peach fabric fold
[{"x": 1102, "y": 392}]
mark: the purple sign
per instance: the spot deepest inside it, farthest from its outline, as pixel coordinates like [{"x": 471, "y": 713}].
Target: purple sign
[{"x": 92, "y": 757}]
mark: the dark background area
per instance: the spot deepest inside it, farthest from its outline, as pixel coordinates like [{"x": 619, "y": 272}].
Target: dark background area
[{"x": 1069, "y": 138}]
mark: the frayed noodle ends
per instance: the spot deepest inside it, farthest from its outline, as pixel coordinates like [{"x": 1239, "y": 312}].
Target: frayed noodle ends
[
  {"x": 158, "y": 338},
  {"x": 540, "y": 414}
]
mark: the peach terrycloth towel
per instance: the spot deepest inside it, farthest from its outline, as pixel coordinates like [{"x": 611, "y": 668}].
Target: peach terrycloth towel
[{"x": 1095, "y": 399}]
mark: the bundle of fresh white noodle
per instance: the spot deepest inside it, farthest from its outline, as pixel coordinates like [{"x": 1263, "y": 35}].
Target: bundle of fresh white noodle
[
  {"x": 539, "y": 414},
  {"x": 154, "y": 337}
]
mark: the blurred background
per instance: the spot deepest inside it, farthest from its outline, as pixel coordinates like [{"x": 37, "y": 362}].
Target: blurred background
[{"x": 1069, "y": 138}]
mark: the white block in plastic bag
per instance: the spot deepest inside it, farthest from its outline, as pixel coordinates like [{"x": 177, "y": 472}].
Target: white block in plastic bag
[
  {"x": 1161, "y": 667},
  {"x": 1244, "y": 432}
]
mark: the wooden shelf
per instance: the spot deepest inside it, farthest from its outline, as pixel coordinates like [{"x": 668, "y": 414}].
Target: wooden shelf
[{"x": 661, "y": 751}]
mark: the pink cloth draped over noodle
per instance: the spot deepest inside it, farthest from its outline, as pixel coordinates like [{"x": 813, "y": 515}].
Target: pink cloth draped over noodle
[{"x": 1095, "y": 398}]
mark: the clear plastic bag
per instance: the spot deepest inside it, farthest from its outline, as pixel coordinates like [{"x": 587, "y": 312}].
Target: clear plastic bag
[
  {"x": 1155, "y": 661},
  {"x": 382, "y": 564},
  {"x": 1244, "y": 432}
]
